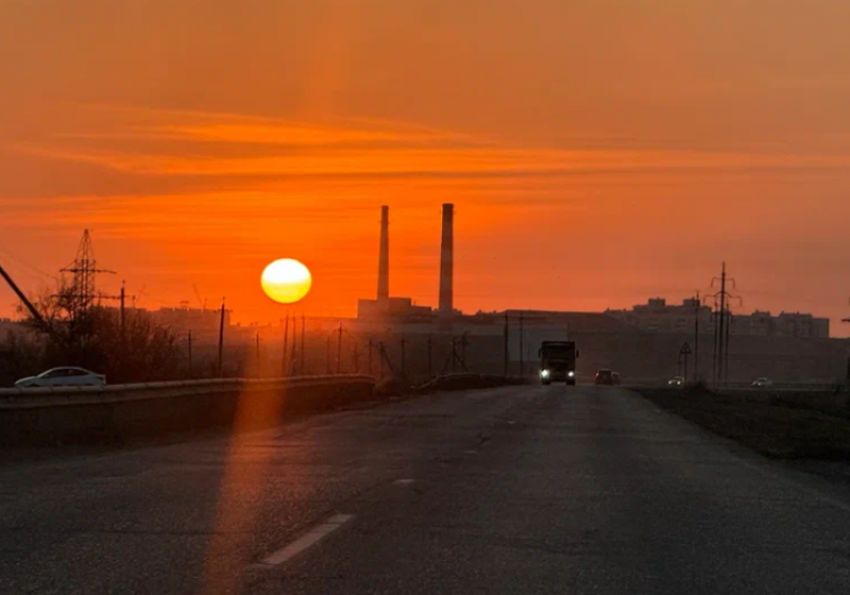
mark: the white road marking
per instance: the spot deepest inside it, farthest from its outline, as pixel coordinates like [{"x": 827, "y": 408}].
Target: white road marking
[
  {"x": 403, "y": 482},
  {"x": 309, "y": 539}
]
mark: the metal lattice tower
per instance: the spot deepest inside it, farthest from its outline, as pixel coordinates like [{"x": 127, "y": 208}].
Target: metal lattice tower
[
  {"x": 82, "y": 292},
  {"x": 722, "y": 324}
]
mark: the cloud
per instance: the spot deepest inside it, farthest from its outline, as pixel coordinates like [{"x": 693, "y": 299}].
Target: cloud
[{"x": 179, "y": 144}]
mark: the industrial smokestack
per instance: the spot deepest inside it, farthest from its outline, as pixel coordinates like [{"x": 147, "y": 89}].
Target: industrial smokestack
[
  {"x": 447, "y": 262},
  {"x": 384, "y": 258}
]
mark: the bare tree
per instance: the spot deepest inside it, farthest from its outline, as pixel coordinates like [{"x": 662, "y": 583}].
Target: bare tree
[{"x": 138, "y": 350}]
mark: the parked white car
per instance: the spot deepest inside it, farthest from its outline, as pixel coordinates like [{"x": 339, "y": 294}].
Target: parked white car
[
  {"x": 63, "y": 377},
  {"x": 762, "y": 382}
]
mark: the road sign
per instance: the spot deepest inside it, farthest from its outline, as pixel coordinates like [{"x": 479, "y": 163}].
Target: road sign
[{"x": 685, "y": 350}]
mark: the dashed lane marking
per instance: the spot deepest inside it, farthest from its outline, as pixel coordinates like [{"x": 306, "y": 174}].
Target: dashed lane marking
[{"x": 309, "y": 539}]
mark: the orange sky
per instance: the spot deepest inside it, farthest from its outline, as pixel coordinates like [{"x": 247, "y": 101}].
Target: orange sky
[{"x": 599, "y": 152}]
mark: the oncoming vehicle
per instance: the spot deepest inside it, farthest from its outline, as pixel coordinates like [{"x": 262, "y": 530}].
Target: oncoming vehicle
[
  {"x": 63, "y": 377},
  {"x": 762, "y": 382},
  {"x": 558, "y": 362},
  {"x": 676, "y": 382},
  {"x": 604, "y": 378}
]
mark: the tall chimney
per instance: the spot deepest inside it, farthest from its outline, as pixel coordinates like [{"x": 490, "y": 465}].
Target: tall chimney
[
  {"x": 447, "y": 262},
  {"x": 384, "y": 259}
]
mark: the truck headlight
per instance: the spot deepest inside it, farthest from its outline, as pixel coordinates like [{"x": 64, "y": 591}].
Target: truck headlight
[
  {"x": 571, "y": 374},
  {"x": 544, "y": 373}
]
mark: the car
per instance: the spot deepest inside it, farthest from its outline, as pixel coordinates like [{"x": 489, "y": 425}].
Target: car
[
  {"x": 604, "y": 377},
  {"x": 67, "y": 376},
  {"x": 676, "y": 382},
  {"x": 762, "y": 382},
  {"x": 616, "y": 377}
]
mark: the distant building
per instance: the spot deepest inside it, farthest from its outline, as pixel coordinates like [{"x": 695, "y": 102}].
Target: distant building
[
  {"x": 789, "y": 324},
  {"x": 659, "y": 316},
  {"x": 394, "y": 309},
  {"x": 190, "y": 319},
  {"x": 182, "y": 320}
]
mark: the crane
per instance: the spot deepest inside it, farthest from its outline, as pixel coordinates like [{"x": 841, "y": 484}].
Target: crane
[{"x": 201, "y": 301}]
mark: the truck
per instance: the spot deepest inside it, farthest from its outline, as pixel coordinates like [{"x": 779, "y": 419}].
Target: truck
[{"x": 558, "y": 362}]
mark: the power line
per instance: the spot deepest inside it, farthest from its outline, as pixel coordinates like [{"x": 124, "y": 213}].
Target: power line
[
  {"x": 26, "y": 264},
  {"x": 722, "y": 320}
]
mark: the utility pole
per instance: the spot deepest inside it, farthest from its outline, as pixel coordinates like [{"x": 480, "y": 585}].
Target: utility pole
[
  {"x": 848, "y": 359},
  {"x": 190, "y": 354},
  {"x": 506, "y": 346},
  {"x": 722, "y": 319},
  {"x": 715, "y": 320},
  {"x": 303, "y": 333},
  {"x": 258, "y": 355},
  {"x": 684, "y": 352},
  {"x": 293, "y": 357},
  {"x": 339, "y": 351},
  {"x": 721, "y": 339},
  {"x": 328, "y": 357},
  {"x": 221, "y": 339},
  {"x": 356, "y": 358},
  {"x": 36, "y": 315},
  {"x": 463, "y": 343},
  {"x": 123, "y": 327},
  {"x": 403, "y": 357},
  {"x": 430, "y": 358},
  {"x": 286, "y": 344},
  {"x": 696, "y": 339},
  {"x": 726, "y": 347},
  {"x": 521, "y": 345}
]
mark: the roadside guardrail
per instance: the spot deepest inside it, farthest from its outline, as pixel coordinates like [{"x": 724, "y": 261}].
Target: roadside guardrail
[{"x": 122, "y": 413}]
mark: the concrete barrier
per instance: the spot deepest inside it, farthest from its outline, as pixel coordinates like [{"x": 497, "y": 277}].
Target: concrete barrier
[{"x": 125, "y": 413}]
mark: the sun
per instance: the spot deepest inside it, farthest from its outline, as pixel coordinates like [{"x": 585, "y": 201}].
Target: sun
[{"x": 286, "y": 281}]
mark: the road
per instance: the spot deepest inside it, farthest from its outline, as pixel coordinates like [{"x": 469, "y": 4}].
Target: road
[{"x": 516, "y": 490}]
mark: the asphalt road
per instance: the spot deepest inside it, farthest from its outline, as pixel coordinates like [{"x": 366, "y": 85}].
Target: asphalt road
[{"x": 520, "y": 490}]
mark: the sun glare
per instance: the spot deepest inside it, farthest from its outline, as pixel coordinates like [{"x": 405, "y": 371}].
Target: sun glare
[{"x": 286, "y": 281}]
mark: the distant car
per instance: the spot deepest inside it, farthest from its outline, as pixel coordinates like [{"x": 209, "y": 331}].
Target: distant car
[
  {"x": 676, "y": 382},
  {"x": 62, "y": 377},
  {"x": 762, "y": 382},
  {"x": 616, "y": 377},
  {"x": 604, "y": 378}
]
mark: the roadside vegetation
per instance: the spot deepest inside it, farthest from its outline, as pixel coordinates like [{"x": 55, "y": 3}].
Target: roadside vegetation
[
  {"x": 782, "y": 425},
  {"x": 138, "y": 350}
]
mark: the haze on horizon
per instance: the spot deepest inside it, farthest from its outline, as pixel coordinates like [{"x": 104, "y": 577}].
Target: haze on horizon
[{"x": 599, "y": 152}]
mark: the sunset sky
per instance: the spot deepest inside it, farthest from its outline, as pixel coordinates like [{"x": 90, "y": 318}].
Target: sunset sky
[{"x": 598, "y": 152}]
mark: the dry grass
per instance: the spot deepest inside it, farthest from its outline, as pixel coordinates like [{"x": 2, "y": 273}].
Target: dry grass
[{"x": 777, "y": 426}]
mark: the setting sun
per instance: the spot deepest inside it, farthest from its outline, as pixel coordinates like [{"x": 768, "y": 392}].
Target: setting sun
[{"x": 286, "y": 281}]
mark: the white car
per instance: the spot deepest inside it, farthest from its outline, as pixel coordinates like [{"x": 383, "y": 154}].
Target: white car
[
  {"x": 762, "y": 382},
  {"x": 676, "y": 381},
  {"x": 63, "y": 377}
]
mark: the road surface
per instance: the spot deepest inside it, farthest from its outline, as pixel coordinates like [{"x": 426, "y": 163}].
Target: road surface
[{"x": 516, "y": 490}]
